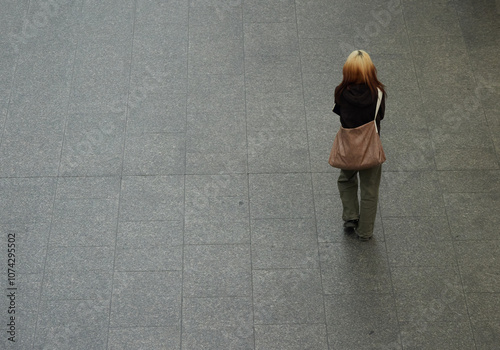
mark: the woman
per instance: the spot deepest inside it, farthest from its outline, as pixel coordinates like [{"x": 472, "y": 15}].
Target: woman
[{"x": 355, "y": 103}]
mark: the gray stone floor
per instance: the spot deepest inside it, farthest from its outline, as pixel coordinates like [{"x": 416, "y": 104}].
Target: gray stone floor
[{"x": 163, "y": 168}]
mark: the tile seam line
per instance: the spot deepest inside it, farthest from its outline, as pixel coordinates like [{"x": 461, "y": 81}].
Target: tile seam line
[
  {"x": 247, "y": 180},
  {"x": 290, "y": 324},
  {"x": 492, "y": 141},
  {"x": 12, "y": 83},
  {"x": 109, "y": 314},
  {"x": 399, "y": 339},
  {"x": 184, "y": 175},
  {"x": 231, "y": 174},
  {"x": 70, "y": 95},
  {"x": 454, "y": 243},
  {"x": 310, "y": 176},
  {"x": 40, "y": 300}
]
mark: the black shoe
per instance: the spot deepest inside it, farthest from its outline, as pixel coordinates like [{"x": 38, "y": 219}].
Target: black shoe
[
  {"x": 362, "y": 238},
  {"x": 350, "y": 226}
]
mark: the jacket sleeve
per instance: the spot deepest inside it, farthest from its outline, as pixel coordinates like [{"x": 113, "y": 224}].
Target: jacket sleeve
[{"x": 336, "y": 109}]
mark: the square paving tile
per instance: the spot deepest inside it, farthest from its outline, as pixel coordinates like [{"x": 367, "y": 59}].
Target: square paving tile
[
  {"x": 483, "y": 306},
  {"x": 152, "y": 198},
  {"x": 268, "y": 11},
  {"x": 154, "y": 154},
  {"x": 272, "y": 73},
  {"x": 478, "y": 253},
  {"x": 210, "y": 231},
  {"x": 288, "y": 296},
  {"x": 347, "y": 268},
  {"x": 381, "y": 29},
  {"x": 41, "y": 82},
  {"x": 408, "y": 151},
  {"x": 419, "y": 241},
  {"x": 318, "y": 91},
  {"x": 167, "y": 258},
  {"x": 28, "y": 244},
  {"x": 158, "y": 111},
  {"x": 217, "y": 209},
  {"x": 215, "y": 323},
  {"x": 321, "y": 55},
  {"x": 139, "y": 338},
  {"x": 292, "y": 337},
  {"x": 428, "y": 61},
  {"x": 216, "y": 143},
  {"x": 271, "y": 39},
  {"x": 100, "y": 75},
  {"x": 275, "y": 196},
  {"x": 216, "y": 162},
  {"x": 94, "y": 285},
  {"x": 320, "y": 20},
  {"x": 280, "y": 243},
  {"x": 26, "y": 307},
  {"x": 411, "y": 194},
  {"x": 87, "y": 187},
  {"x": 481, "y": 278},
  {"x": 217, "y": 197},
  {"x": 162, "y": 12},
  {"x": 437, "y": 335},
  {"x": 217, "y": 270},
  {"x": 30, "y": 155},
  {"x": 487, "y": 181},
  {"x": 93, "y": 144},
  {"x": 278, "y": 152},
  {"x": 362, "y": 321},
  {"x": 149, "y": 299},
  {"x": 213, "y": 13},
  {"x": 486, "y": 334},
  {"x": 430, "y": 294},
  {"x": 470, "y": 220},
  {"x": 148, "y": 234},
  {"x": 82, "y": 259},
  {"x": 214, "y": 54},
  {"x": 437, "y": 18},
  {"x": 275, "y": 111},
  {"x": 76, "y": 324},
  {"x": 84, "y": 222},
  {"x": 216, "y": 94}
]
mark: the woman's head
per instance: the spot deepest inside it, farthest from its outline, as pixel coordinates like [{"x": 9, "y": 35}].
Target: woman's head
[{"x": 359, "y": 69}]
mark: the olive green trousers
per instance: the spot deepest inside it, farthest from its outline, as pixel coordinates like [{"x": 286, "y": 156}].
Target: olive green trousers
[{"x": 365, "y": 210}]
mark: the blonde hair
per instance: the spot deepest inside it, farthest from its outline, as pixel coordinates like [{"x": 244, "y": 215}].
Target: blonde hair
[{"x": 359, "y": 69}]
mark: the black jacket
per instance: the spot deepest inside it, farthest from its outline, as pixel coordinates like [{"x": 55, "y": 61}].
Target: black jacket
[{"x": 357, "y": 106}]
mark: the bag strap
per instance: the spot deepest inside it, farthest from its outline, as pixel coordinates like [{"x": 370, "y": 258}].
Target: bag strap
[{"x": 379, "y": 100}]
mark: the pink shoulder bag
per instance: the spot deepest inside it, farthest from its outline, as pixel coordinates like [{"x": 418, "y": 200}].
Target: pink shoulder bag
[{"x": 358, "y": 148}]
